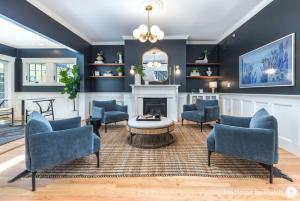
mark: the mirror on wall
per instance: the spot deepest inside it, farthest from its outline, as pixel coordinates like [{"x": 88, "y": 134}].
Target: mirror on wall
[{"x": 155, "y": 63}]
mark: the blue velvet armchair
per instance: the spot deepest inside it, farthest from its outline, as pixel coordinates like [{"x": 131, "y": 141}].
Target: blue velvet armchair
[
  {"x": 49, "y": 143},
  {"x": 202, "y": 112},
  {"x": 109, "y": 112},
  {"x": 249, "y": 138}
]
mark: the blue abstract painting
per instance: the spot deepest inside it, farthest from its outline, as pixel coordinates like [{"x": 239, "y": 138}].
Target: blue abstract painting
[{"x": 270, "y": 65}]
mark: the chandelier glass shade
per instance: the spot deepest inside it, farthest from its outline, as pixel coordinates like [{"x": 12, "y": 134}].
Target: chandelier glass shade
[{"x": 146, "y": 33}]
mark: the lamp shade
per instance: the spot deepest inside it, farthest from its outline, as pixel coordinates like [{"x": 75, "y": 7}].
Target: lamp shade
[{"x": 213, "y": 85}]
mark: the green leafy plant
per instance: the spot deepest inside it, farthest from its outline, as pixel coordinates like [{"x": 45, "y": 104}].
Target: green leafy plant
[
  {"x": 195, "y": 69},
  {"x": 119, "y": 70},
  {"x": 206, "y": 53},
  {"x": 71, "y": 79},
  {"x": 139, "y": 69}
]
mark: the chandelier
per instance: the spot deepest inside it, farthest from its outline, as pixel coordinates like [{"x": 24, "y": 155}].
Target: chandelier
[
  {"x": 154, "y": 63},
  {"x": 144, "y": 32}
]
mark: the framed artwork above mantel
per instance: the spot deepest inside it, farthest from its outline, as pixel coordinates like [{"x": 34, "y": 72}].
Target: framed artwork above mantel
[{"x": 272, "y": 65}]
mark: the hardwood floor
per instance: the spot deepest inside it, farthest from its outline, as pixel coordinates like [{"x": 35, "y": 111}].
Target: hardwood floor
[{"x": 145, "y": 188}]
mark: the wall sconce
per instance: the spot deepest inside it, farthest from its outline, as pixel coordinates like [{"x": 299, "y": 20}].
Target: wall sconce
[
  {"x": 213, "y": 86},
  {"x": 132, "y": 72},
  {"x": 176, "y": 72}
]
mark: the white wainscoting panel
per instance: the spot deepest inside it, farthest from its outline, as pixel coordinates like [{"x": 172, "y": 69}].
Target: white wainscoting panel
[{"x": 286, "y": 108}]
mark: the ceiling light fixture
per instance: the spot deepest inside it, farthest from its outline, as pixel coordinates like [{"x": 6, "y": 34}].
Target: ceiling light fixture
[{"x": 144, "y": 32}]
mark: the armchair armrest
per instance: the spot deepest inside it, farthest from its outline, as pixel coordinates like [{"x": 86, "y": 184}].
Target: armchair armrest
[
  {"x": 65, "y": 123},
  {"x": 235, "y": 121},
  {"x": 211, "y": 113},
  {"x": 189, "y": 107},
  {"x": 248, "y": 143},
  {"x": 50, "y": 149},
  {"x": 121, "y": 108},
  {"x": 98, "y": 112}
]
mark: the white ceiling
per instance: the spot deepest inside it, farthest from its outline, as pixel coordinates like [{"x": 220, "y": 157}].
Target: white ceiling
[
  {"x": 18, "y": 36},
  {"x": 109, "y": 20}
]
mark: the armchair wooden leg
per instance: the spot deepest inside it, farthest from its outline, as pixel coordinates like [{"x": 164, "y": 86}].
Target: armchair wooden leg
[
  {"x": 201, "y": 125},
  {"x": 182, "y": 122},
  {"x": 33, "y": 180},
  {"x": 208, "y": 158},
  {"x": 12, "y": 116},
  {"x": 105, "y": 128},
  {"x": 271, "y": 174},
  {"x": 98, "y": 159}
]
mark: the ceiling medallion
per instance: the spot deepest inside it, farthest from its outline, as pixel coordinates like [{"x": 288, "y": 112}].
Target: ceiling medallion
[{"x": 146, "y": 33}]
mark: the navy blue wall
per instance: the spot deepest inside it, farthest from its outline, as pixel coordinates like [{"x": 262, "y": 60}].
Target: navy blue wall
[
  {"x": 7, "y": 50},
  {"x": 176, "y": 50},
  {"x": 26, "y": 14},
  {"x": 192, "y": 53},
  {"x": 278, "y": 19}
]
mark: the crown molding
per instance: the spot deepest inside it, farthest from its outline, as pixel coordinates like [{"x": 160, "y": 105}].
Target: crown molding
[
  {"x": 179, "y": 37},
  {"x": 59, "y": 19},
  {"x": 109, "y": 43},
  {"x": 202, "y": 42},
  {"x": 243, "y": 20}
]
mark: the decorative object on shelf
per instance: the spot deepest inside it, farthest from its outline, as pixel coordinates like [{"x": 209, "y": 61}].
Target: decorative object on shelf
[
  {"x": 108, "y": 73},
  {"x": 155, "y": 63},
  {"x": 270, "y": 65},
  {"x": 120, "y": 55},
  {"x": 204, "y": 59},
  {"x": 209, "y": 72},
  {"x": 100, "y": 58},
  {"x": 213, "y": 85},
  {"x": 120, "y": 71},
  {"x": 97, "y": 73},
  {"x": 138, "y": 71},
  {"x": 195, "y": 72},
  {"x": 201, "y": 91},
  {"x": 146, "y": 33},
  {"x": 71, "y": 82}
]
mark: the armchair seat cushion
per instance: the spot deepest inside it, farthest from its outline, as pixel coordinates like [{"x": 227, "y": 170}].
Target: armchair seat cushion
[
  {"x": 211, "y": 141},
  {"x": 115, "y": 116},
  {"x": 96, "y": 143},
  {"x": 196, "y": 116}
]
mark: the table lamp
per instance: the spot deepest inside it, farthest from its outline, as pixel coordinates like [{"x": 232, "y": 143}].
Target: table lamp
[{"x": 213, "y": 86}]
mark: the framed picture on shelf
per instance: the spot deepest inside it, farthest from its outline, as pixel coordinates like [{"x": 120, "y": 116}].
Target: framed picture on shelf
[{"x": 270, "y": 65}]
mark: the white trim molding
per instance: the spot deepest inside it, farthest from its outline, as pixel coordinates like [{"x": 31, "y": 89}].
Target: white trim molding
[
  {"x": 109, "y": 43},
  {"x": 179, "y": 37},
  {"x": 286, "y": 109}
]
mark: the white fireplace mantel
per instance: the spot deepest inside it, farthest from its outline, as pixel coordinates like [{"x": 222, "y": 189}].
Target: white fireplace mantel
[{"x": 139, "y": 92}]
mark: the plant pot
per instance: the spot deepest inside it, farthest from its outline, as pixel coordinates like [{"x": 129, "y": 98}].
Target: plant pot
[
  {"x": 120, "y": 74},
  {"x": 137, "y": 79},
  {"x": 146, "y": 82},
  {"x": 120, "y": 59},
  {"x": 205, "y": 60}
]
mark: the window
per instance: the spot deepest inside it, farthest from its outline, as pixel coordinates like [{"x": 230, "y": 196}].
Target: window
[
  {"x": 60, "y": 67},
  {"x": 2, "y": 92},
  {"x": 45, "y": 71},
  {"x": 37, "y": 73}
]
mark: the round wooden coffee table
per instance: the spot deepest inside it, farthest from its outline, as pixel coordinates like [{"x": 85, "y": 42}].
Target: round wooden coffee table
[{"x": 150, "y": 134}]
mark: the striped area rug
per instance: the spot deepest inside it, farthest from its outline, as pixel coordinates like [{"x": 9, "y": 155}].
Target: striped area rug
[
  {"x": 186, "y": 157},
  {"x": 10, "y": 133}
]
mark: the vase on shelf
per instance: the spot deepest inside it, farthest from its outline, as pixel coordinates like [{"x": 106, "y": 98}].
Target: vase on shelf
[
  {"x": 208, "y": 72},
  {"x": 205, "y": 60},
  {"x": 120, "y": 59},
  {"x": 137, "y": 79}
]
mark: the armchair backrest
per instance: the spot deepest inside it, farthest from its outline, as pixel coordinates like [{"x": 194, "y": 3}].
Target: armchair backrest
[
  {"x": 262, "y": 119},
  {"x": 201, "y": 104},
  {"x": 109, "y": 105},
  {"x": 37, "y": 124}
]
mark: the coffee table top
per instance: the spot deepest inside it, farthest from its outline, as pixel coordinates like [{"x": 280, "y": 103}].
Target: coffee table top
[{"x": 163, "y": 123}]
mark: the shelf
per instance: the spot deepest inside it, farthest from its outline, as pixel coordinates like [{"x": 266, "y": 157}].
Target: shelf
[
  {"x": 204, "y": 64},
  {"x": 107, "y": 77},
  {"x": 204, "y": 77},
  {"x": 106, "y": 64}
]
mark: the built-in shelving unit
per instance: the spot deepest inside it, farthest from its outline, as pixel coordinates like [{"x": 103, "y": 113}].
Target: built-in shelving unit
[
  {"x": 116, "y": 77},
  {"x": 106, "y": 64},
  {"x": 202, "y": 64},
  {"x": 204, "y": 77}
]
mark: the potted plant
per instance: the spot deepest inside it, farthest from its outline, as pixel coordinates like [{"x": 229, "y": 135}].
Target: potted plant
[
  {"x": 71, "y": 79},
  {"x": 119, "y": 54},
  {"x": 195, "y": 72},
  {"x": 120, "y": 71},
  {"x": 100, "y": 58},
  {"x": 205, "y": 52},
  {"x": 138, "y": 69}
]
